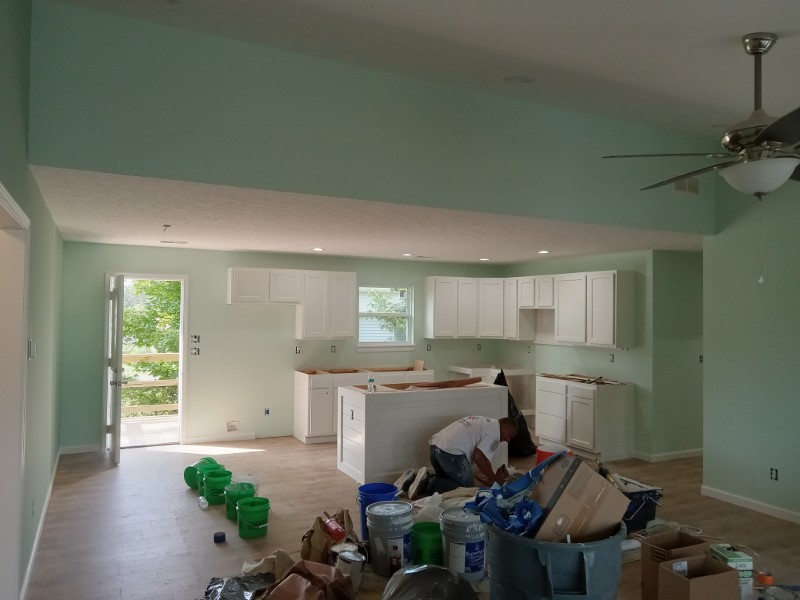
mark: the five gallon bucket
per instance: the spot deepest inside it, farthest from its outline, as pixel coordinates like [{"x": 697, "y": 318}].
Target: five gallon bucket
[
  {"x": 235, "y": 492},
  {"x": 190, "y": 472},
  {"x": 389, "y": 525},
  {"x": 463, "y": 544},
  {"x": 214, "y": 485},
  {"x": 369, "y": 493},
  {"x": 201, "y": 474},
  {"x": 253, "y": 516},
  {"x": 426, "y": 543},
  {"x": 526, "y": 569}
]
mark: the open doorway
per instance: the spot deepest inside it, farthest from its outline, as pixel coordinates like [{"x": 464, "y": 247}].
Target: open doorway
[{"x": 146, "y": 409}]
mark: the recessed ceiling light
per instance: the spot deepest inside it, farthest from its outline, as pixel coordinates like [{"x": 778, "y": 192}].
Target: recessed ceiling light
[
  {"x": 544, "y": 251},
  {"x": 173, "y": 242},
  {"x": 318, "y": 249},
  {"x": 407, "y": 254},
  {"x": 517, "y": 79},
  {"x": 484, "y": 259}
]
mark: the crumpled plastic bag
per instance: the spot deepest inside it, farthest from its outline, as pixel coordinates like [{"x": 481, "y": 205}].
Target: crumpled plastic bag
[
  {"x": 427, "y": 582},
  {"x": 509, "y": 507},
  {"x": 241, "y": 587}
]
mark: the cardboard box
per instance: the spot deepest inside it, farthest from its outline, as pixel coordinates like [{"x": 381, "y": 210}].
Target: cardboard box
[
  {"x": 738, "y": 560},
  {"x": 665, "y": 547},
  {"x": 697, "y": 578},
  {"x": 577, "y": 502}
]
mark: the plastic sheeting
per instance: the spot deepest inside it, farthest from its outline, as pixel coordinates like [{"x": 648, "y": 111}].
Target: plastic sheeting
[{"x": 428, "y": 582}]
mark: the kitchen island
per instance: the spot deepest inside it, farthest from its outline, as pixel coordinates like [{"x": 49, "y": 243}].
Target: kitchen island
[{"x": 380, "y": 434}]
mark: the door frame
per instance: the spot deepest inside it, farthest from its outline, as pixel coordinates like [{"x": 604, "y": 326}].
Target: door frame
[
  {"x": 16, "y": 349},
  {"x": 183, "y": 345}
]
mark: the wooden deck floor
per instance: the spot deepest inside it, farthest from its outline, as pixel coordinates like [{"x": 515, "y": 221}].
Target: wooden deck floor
[{"x": 149, "y": 431}]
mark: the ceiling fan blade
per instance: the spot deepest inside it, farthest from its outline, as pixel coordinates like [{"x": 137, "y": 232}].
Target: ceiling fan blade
[
  {"x": 785, "y": 130},
  {"x": 715, "y": 167},
  {"x": 706, "y": 154}
]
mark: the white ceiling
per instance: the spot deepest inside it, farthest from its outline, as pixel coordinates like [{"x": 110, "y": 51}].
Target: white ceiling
[{"x": 679, "y": 64}]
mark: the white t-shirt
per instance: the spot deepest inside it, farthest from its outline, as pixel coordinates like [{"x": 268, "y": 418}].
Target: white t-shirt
[{"x": 468, "y": 433}]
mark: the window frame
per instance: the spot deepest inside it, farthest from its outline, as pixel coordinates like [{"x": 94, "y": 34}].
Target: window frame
[{"x": 407, "y": 344}]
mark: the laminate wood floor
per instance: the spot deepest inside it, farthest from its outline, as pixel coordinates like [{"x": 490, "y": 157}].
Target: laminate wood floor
[{"x": 136, "y": 531}]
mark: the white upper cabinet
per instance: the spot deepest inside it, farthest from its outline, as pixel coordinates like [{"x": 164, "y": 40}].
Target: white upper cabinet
[
  {"x": 609, "y": 309},
  {"x": 490, "y": 307},
  {"x": 544, "y": 291},
  {"x": 328, "y": 307},
  {"x": 451, "y": 307},
  {"x": 511, "y": 309},
  {"x": 570, "y": 297},
  {"x": 526, "y": 292},
  {"x": 467, "y": 308},
  {"x": 248, "y": 286},
  {"x": 285, "y": 285}
]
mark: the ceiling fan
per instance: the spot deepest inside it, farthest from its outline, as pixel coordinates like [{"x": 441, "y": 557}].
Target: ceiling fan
[{"x": 763, "y": 152}]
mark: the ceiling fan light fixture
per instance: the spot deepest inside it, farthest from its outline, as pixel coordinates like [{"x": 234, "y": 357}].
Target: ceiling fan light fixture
[{"x": 760, "y": 177}]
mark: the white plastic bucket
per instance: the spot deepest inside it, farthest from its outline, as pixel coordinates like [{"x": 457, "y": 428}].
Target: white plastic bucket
[
  {"x": 389, "y": 523},
  {"x": 463, "y": 543}
]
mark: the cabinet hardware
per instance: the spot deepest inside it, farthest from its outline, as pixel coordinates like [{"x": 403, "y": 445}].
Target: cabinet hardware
[{"x": 352, "y": 415}]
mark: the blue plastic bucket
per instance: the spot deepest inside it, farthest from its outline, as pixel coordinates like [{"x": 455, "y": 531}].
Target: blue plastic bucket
[{"x": 369, "y": 493}]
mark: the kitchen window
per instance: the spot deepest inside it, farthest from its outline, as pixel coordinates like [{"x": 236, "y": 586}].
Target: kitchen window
[{"x": 385, "y": 317}]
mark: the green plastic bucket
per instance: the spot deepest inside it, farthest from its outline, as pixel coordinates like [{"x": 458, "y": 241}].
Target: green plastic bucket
[
  {"x": 253, "y": 516},
  {"x": 426, "y": 543},
  {"x": 214, "y": 485},
  {"x": 235, "y": 492},
  {"x": 201, "y": 474},
  {"x": 190, "y": 472}
]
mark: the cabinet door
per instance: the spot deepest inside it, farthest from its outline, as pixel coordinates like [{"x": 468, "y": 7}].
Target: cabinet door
[
  {"x": 544, "y": 294},
  {"x": 313, "y": 316},
  {"x": 285, "y": 285},
  {"x": 440, "y": 306},
  {"x": 571, "y": 308},
  {"x": 600, "y": 317},
  {"x": 510, "y": 310},
  {"x": 490, "y": 308},
  {"x": 551, "y": 428},
  {"x": 321, "y": 419},
  {"x": 248, "y": 286},
  {"x": 342, "y": 288},
  {"x": 467, "y": 308},
  {"x": 526, "y": 295},
  {"x": 580, "y": 422}
]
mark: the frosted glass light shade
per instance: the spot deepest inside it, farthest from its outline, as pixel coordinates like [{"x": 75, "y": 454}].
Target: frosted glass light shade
[{"x": 760, "y": 176}]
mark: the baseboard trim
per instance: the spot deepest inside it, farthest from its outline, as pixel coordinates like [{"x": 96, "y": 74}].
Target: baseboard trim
[
  {"x": 233, "y": 436},
  {"x": 80, "y": 449},
  {"x": 664, "y": 456},
  {"x": 762, "y": 507},
  {"x": 39, "y": 528}
]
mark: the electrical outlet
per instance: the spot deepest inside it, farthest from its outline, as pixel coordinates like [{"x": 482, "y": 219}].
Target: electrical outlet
[
  {"x": 333, "y": 349},
  {"x": 297, "y": 349},
  {"x": 266, "y": 412},
  {"x": 479, "y": 346},
  {"x": 529, "y": 349},
  {"x": 610, "y": 358},
  {"x": 773, "y": 474},
  {"x": 233, "y": 425},
  {"x": 429, "y": 347},
  {"x": 194, "y": 351},
  {"x": 194, "y": 338}
]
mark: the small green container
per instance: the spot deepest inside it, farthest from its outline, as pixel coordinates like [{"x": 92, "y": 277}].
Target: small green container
[
  {"x": 214, "y": 485},
  {"x": 201, "y": 475},
  {"x": 235, "y": 492},
  {"x": 190, "y": 472},
  {"x": 253, "y": 516},
  {"x": 426, "y": 543}
]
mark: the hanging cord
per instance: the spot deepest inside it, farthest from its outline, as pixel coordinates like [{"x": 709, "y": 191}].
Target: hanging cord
[{"x": 762, "y": 274}]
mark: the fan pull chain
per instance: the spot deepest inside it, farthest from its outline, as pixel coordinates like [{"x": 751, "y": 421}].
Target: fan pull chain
[{"x": 763, "y": 272}]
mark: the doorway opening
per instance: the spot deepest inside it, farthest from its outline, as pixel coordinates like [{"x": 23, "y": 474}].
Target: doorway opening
[{"x": 150, "y": 395}]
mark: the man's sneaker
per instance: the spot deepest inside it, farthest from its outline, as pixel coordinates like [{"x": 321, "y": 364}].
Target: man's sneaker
[
  {"x": 418, "y": 486},
  {"x": 404, "y": 481}
]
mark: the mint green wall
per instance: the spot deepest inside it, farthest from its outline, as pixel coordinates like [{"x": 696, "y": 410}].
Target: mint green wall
[
  {"x": 44, "y": 276},
  {"x": 750, "y": 398},
  {"x": 678, "y": 344},
  {"x": 118, "y": 95},
  {"x": 247, "y": 358}
]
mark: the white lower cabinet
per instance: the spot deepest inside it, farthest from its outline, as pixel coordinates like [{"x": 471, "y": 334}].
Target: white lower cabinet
[
  {"x": 315, "y": 403},
  {"x": 592, "y": 419}
]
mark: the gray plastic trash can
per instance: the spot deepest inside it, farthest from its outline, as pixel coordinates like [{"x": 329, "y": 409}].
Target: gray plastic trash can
[{"x": 522, "y": 568}]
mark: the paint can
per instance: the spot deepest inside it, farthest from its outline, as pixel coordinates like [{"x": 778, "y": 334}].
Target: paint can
[
  {"x": 463, "y": 543},
  {"x": 351, "y": 563},
  {"x": 389, "y": 523},
  {"x": 337, "y": 549}
]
